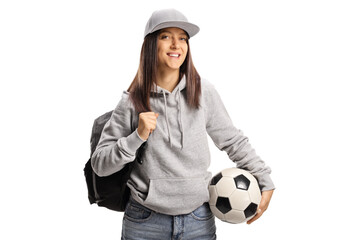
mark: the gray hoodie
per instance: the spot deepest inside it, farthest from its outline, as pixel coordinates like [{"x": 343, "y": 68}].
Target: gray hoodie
[{"x": 173, "y": 178}]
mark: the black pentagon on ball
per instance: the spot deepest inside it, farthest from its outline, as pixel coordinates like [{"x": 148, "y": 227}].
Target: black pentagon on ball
[
  {"x": 215, "y": 179},
  {"x": 250, "y": 210},
  {"x": 223, "y": 204},
  {"x": 241, "y": 182}
]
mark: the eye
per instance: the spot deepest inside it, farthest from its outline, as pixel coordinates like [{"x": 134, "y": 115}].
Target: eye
[
  {"x": 164, "y": 37},
  {"x": 183, "y": 39}
]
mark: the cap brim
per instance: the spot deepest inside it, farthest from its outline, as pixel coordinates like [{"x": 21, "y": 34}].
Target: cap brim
[{"x": 190, "y": 28}]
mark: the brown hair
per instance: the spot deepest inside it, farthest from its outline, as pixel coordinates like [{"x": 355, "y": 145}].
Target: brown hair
[{"x": 141, "y": 86}]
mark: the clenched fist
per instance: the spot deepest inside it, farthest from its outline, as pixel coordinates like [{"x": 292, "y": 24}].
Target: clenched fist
[{"x": 147, "y": 124}]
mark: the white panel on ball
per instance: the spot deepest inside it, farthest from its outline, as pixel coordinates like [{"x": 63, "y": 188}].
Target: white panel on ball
[
  {"x": 217, "y": 213},
  {"x": 213, "y": 195},
  {"x": 235, "y": 216},
  {"x": 239, "y": 200},
  {"x": 225, "y": 187},
  {"x": 254, "y": 193}
]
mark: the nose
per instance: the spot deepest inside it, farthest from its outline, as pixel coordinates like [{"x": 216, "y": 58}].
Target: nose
[{"x": 175, "y": 43}]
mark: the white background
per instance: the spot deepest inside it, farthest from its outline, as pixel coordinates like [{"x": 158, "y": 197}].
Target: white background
[{"x": 287, "y": 72}]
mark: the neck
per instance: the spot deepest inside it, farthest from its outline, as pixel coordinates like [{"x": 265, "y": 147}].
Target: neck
[{"x": 168, "y": 80}]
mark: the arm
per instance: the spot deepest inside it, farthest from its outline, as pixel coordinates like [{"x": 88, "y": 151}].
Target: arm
[
  {"x": 118, "y": 142},
  {"x": 232, "y": 140}
]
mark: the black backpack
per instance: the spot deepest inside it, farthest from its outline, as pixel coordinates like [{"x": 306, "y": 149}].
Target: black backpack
[{"x": 110, "y": 191}]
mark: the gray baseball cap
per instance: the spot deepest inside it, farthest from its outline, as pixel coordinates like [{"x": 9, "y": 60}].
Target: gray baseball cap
[{"x": 170, "y": 18}]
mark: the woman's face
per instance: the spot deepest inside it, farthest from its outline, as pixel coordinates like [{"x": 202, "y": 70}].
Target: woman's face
[{"x": 172, "y": 48}]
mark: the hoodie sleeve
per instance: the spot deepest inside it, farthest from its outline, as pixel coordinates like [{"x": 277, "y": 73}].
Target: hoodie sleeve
[
  {"x": 118, "y": 142},
  {"x": 232, "y": 140}
]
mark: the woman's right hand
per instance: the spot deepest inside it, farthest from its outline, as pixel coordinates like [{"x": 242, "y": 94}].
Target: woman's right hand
[{"x": 147, "y": 124}]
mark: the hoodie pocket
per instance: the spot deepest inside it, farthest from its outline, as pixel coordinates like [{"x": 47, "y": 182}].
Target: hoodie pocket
[{"x": 177, "y": 195}]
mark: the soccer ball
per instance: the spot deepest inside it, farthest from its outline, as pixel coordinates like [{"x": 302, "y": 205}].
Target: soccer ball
[{"x": 234, "y": 195}]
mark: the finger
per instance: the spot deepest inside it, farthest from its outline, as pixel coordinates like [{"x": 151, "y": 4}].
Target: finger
[
  {"x": 152, "y": 114},
  {"x": 151, "y": 117},
  {"x": 156, "y": 115},
  {"x": 148, "y": 114},
  {"x": 259, "y": 212},
  {"x": 257, "y": 216},
  {"x": 151, "y": 125},
  {"x": 151, "y": 122},
  {"x": 262, "y": 204},
  {"x": 152, "y": 129}
]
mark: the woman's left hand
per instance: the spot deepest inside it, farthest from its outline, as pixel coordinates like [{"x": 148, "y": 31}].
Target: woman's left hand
[{"x": 265, "y": 200}]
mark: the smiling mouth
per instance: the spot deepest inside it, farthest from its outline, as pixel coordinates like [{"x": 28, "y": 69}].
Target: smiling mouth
[{"x": 173, "y": 55}]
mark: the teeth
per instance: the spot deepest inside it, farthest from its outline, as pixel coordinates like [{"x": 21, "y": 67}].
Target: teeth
[{"x": 174, "y": 55}]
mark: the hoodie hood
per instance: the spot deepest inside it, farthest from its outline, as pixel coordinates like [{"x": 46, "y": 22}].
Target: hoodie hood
[
  {"x": 179, "y": 87},
  {"x": 161, "y": 92}
]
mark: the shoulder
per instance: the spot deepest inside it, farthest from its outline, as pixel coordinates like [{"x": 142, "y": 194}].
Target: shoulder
[
  {"x": 125, "y": 104},
  {"x": 206, "y": 84},
  {"x": 208, "y": 89},
  {"x": 125, "y": 100}
]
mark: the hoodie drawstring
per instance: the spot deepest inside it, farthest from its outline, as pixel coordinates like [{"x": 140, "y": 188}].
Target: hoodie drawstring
[
  {"x": 167, "y": 120},
  {"x": 179, "y": 119}
]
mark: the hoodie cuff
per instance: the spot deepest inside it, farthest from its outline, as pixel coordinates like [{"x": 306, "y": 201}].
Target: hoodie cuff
[
  {"x": 265, "y": 183},
  {"x": 132, "y": 142}
]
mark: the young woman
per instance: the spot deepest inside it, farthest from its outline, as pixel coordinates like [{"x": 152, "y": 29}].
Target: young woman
[{"x": 170, "y": 107}]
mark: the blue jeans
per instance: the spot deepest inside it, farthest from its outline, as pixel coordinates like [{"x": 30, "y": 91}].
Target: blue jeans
[{"x": 141, "y": 223}]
